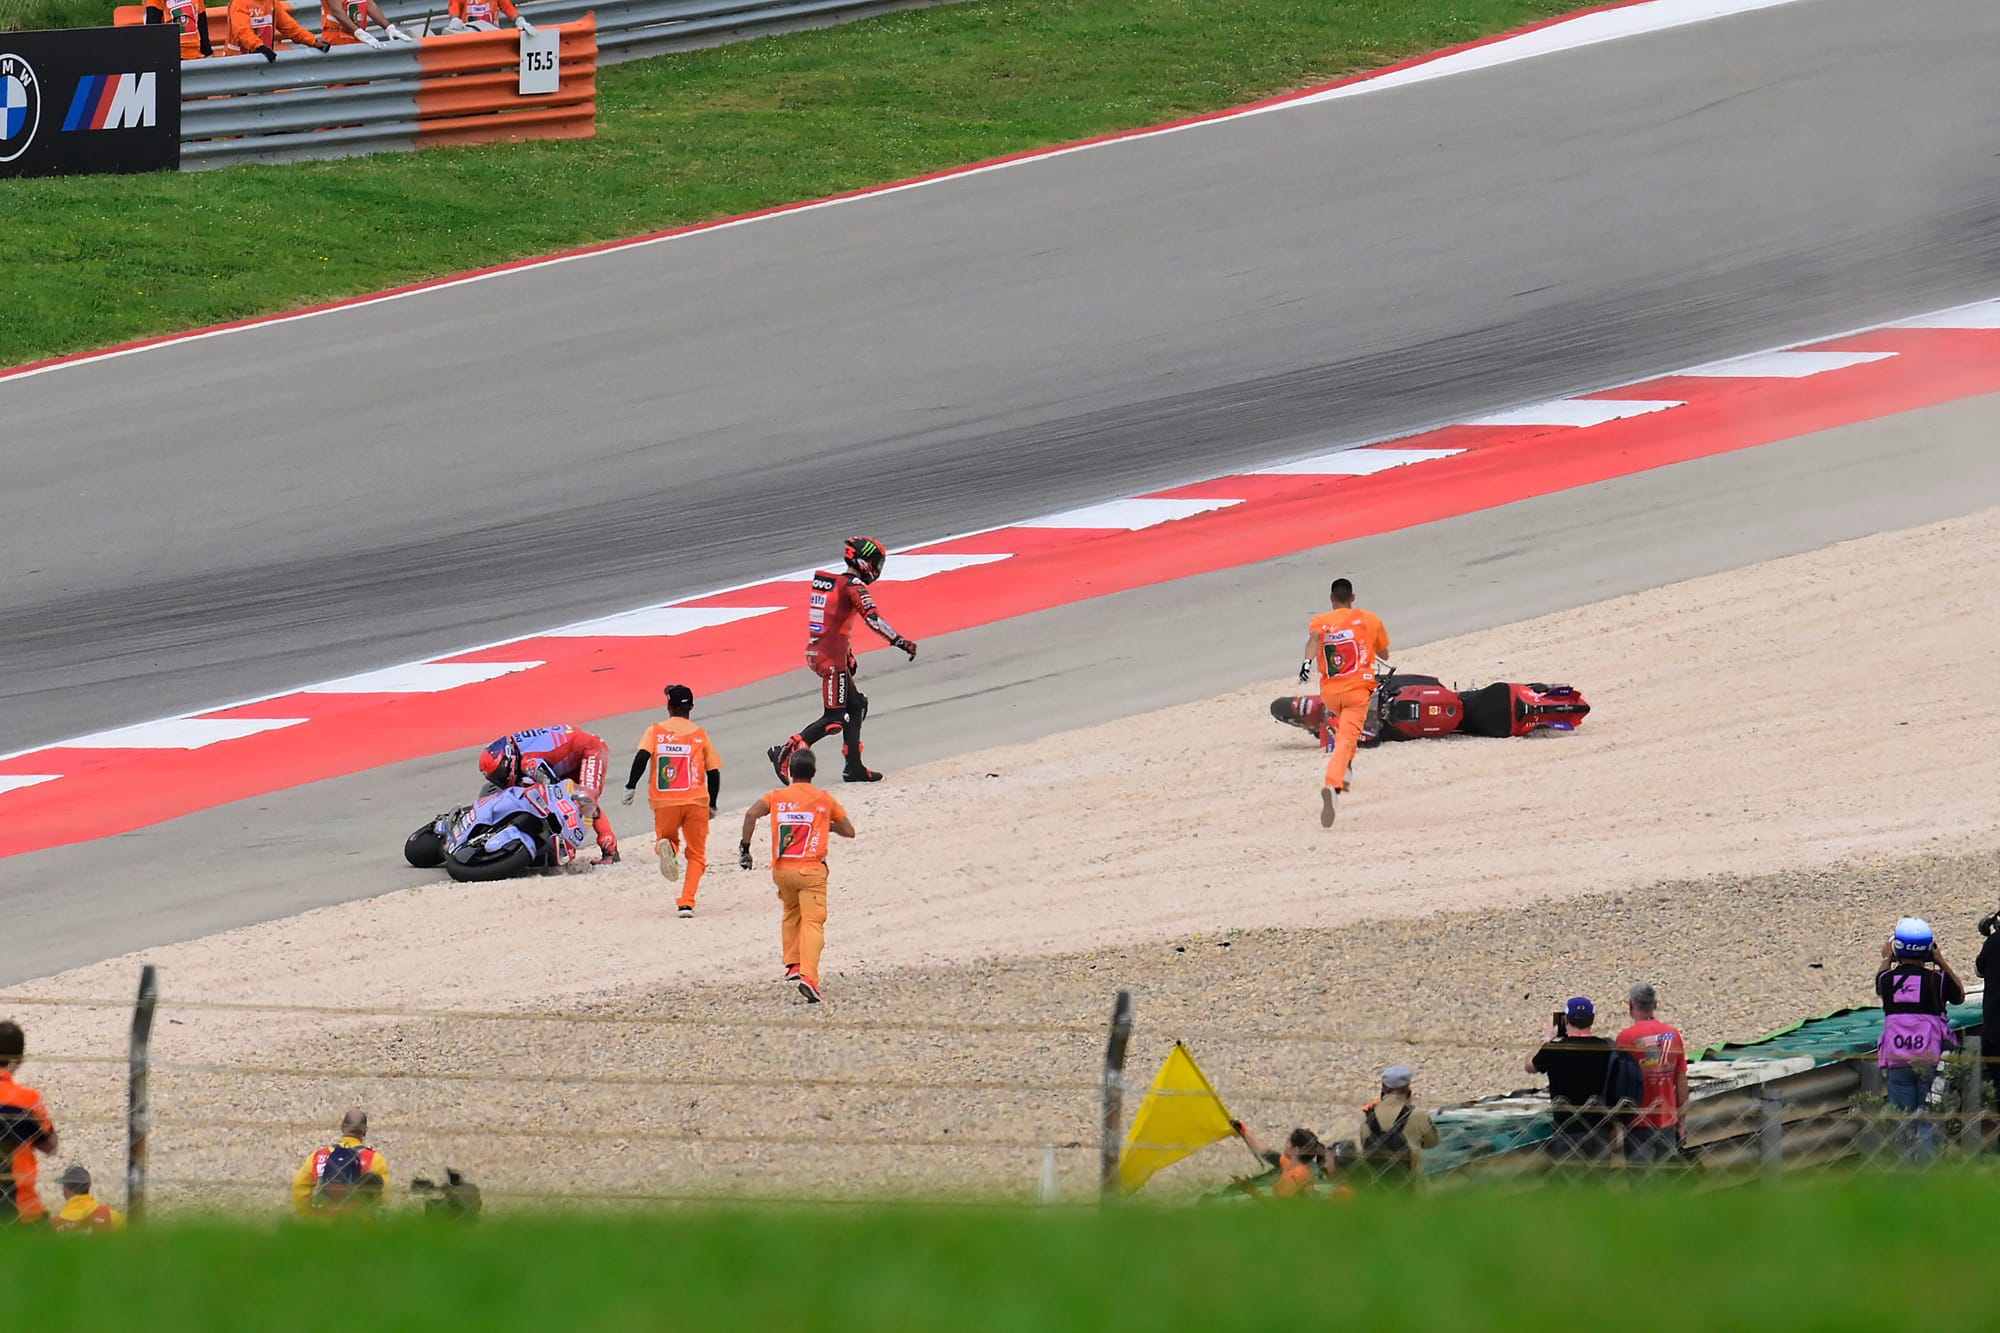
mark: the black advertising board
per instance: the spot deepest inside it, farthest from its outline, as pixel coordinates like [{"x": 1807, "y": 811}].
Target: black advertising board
[{"x": 90, "y": 99}]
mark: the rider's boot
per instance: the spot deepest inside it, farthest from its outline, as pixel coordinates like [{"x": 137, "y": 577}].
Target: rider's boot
[
  {"x": 781, "y": 755},
  {"x": 856, "y": 771}
]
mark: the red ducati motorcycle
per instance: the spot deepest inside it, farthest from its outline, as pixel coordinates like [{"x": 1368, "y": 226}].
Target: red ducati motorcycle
[{"x": 1409, "y": 707}]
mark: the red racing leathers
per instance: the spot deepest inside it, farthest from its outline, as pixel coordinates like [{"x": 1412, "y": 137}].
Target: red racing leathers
[{"x": 837, "y": 600}]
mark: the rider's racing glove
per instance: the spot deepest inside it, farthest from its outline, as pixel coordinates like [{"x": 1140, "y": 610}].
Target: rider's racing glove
[{"x": 909, "y": 646}]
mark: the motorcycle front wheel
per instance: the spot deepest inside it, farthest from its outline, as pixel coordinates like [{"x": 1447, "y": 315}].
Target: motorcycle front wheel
[
  {"x": 476, "y": 865},
  {"x": 424, "y": 849}
]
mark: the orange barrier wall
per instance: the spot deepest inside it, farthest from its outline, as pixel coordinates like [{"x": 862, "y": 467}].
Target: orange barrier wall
[{"x": 467, "y": 94}]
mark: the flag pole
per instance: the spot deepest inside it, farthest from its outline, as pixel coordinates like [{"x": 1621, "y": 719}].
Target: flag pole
[{"x": 1114, "y": 1092}]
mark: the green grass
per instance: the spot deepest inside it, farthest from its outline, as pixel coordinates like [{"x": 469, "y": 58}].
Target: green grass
[
  {"x": 31, "y": 15},
  {"x": 1862, "y": 1253},
  {"x": 95, "y": 260}
]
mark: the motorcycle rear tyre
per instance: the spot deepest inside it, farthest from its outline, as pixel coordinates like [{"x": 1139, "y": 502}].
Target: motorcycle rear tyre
[
  {"x": 424, "y": 849},
  {"x": 515, "y": 860}
]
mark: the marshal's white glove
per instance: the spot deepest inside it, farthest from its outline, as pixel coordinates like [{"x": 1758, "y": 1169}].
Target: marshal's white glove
[
  {"x": 367, "y": 37},
  {"x": 521, "y": 22},
  {"x": 396, "y": 34},
  {"x": 627, "y": 798}
]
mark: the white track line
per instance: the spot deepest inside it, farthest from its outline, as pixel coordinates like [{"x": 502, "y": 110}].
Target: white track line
[
  {"x": 1354, "y": 462},
  {"x": 910, "y": 568},
  {"x": 1129, "y": 515},
  {"x": 178, "y": 733},
  {"x": 420, "y": 678},
  {"x": 1578, "y": 412},
  {"x": 1978, "y": 315},
  {"x": 1608, "y": 25},
  {"x": 655, "y": 622},
  {"x": 1783, "y": 365}
]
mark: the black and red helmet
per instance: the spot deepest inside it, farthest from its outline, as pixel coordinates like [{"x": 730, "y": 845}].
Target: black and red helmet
[
  {"x": 865, "y": 558},
  {"x": 500, "y": 763}
]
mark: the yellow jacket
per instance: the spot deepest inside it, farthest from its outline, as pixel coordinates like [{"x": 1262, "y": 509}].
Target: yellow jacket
[
  {"x": 306, "y": 1179},
  {"x": 83, "y": 1213}
]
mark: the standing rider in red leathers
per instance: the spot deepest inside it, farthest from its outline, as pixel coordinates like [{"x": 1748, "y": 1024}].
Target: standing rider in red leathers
[
  {"x": 836, "y": 600},
  {"x": 568, "y": 752}
]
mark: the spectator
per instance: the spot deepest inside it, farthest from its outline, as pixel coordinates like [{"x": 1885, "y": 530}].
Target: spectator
[
  {"x": 1915, "y": 985},
  {"x": 256, "y": 25},
  {"x": 191, "y": 17},
  {"x": 347, "y": 1173},
  {"x": 1302, "y": 1156},
  {"x": 1660, "y": 1124},
  {"x": 1394, "y": 1130},
  {"x": 25, "y": 1129},
  {"x": 80, "y": 1212},
  {"x": 1578, "y": 1063}
]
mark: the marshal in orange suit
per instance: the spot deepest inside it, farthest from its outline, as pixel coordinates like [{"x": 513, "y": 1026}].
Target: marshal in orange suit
[
  {"x": 685, "y": 778},
  {"x": 1344, "y": 645},
  {"x": 801, "y": 818}
]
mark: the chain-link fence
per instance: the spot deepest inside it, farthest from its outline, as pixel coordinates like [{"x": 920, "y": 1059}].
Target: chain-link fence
[{"x": 604, "y": 1107}]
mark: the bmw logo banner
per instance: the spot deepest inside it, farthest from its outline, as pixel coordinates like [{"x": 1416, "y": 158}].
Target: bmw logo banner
[{"x": 90, "y": 100}]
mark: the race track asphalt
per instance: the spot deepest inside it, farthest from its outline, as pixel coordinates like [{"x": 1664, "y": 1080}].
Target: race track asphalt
[
  {"x": 224, "y": 518},
  {"x": 1024, "y": 679}
]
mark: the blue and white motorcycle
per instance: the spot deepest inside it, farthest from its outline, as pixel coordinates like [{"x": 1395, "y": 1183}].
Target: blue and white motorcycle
[{"x": 537, "y": 826}]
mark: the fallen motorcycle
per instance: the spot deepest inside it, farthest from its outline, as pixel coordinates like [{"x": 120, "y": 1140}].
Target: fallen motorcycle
[
  {"x": 1410, "y": 707},
  {"x": 540, "y": 826}
]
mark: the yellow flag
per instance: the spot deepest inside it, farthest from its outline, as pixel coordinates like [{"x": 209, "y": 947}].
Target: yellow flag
[{"x": 1181, "y": 1113}]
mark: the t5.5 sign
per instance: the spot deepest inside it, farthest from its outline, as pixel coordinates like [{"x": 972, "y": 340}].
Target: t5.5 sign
[{"x": 90, "y": 99}]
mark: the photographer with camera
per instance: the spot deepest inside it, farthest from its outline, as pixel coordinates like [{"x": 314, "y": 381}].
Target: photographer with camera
[
  {"x": 1578, "y": 1064},
  {"x": 1915, "y": 984}
]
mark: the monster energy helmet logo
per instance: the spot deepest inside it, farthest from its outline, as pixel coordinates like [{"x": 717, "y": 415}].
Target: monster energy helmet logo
[{"x": 20, "y": 106}]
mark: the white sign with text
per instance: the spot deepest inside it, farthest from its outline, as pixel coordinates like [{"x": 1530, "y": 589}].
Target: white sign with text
[{"x": 541, "y": 61}]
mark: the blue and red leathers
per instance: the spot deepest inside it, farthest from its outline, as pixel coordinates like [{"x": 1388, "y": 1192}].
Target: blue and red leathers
[{"x": 568, "y": 752}]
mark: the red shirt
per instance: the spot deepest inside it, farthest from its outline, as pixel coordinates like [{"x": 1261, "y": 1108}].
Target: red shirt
[{"x": 1663, "y": 1058}]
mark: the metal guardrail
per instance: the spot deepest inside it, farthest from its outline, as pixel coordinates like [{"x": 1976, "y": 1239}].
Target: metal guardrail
[
  {"x": 364, "y": 99},
  {"x": 642, "y": 28},
  {"x": 352, "y": 100},
  {"x": 396, "y": 97}
]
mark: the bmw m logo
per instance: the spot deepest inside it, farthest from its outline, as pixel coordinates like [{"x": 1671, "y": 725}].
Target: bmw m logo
[{"x": 20, "y": 106}]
